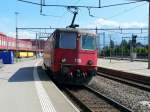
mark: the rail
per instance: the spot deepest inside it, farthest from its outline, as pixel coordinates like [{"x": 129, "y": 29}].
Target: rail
[
  {"x": 89, "y": 100},
  {"x": 135, "y": 80},
  {"x": 127, "y": 58}
]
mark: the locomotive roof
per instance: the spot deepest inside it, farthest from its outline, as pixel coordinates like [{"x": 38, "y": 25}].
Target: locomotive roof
[{"x": 82, "y": 31}]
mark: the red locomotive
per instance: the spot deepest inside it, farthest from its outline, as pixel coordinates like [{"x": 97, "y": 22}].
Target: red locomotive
[{"x": 71, "y": 55}]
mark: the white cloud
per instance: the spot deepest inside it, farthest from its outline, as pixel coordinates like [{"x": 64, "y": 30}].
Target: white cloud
[{"x": 111, "y": 24}]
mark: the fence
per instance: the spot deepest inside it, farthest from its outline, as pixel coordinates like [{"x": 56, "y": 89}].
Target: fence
[{"x": 123, "y": 43}]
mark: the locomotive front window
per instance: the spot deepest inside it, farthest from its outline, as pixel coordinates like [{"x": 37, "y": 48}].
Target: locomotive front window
[
  {"x": 88, "y": 42},
  {"x": 68, "y": 40}
]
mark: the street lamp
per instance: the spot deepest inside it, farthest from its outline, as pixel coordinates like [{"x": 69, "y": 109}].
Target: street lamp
[{"x": 16, "y": 14}]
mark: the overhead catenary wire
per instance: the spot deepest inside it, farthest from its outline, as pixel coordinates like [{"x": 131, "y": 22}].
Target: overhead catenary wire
[
  {"x": 80, "y": 6},
  {"x": 112, "y": 30},
  {"x": 42, "y": 3},
  {"x": 125, "y": 11},
  {"x": 43, "y": 14},
  {"x": 120, "y": 13},
  {"x": 85, "y": 28},
  {"x": 33, "y": 30}
]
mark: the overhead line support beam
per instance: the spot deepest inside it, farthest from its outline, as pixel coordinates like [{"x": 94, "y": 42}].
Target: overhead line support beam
[
  {"x": 24, "y": 28},
  {"x": 80, "y": 6}
]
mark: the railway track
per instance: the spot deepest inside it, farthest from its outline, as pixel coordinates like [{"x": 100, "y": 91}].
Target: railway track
[
  {"x": 89, "y": 100},
  {"x": 130, "y": 79}
]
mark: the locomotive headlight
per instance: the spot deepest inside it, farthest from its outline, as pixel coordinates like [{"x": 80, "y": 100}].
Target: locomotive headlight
[
  {"x": 90, "y": 62},
  {"x": 63, "y": 60}
]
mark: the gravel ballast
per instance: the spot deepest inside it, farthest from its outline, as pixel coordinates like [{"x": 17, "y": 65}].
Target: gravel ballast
[{"x": 132, "y": 97}]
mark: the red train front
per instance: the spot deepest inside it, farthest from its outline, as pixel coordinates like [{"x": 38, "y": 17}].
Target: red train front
[{"x": 71, "y": 55}]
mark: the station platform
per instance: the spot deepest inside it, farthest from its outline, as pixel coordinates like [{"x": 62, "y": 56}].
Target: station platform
[
  {"x": 25, "y": 87},
  {"x": 136, "y": 67},
  {"x": 1, "y": 63}
]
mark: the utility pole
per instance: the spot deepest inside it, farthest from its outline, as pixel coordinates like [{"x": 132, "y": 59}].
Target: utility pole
[
  {"x": 131, "y": 50},
  {"x": 149, "y": 39},
  {"x": 116, "y": 49},
  {"x": 122, "y": 48},
  {"x": 104, "y": 44},
  {"x": 97, "y": 42},
  {"x": 110, "y": 48},
  {"x": 96, "y": 30},
  {"x": 99, "y": 3},
  {"x": 39, "y": 45},
  {"x": 16, "y": 13},
  {"x": 36, "y": 46}
]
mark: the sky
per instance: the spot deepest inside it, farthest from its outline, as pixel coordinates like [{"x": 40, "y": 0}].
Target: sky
[{"x": 133, "y": 15}]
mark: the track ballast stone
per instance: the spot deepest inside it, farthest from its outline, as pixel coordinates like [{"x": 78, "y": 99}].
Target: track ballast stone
[{"x": 131, "y": 97}]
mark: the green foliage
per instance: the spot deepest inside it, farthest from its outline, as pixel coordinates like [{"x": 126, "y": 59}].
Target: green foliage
[
  {"x": 112, "y": 44},
  {"x": 124, "y": 49}
]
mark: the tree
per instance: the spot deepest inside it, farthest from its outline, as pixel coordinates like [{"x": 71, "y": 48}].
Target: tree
[
  {"x": 112, "y": 44},
  {"x": 124, "y": 43}
]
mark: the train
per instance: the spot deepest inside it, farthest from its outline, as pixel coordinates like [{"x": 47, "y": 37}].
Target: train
[
  {"x": 9, "y": 43},
  {"x": 26, "y": 47},
  {"x": 70, "y": 55},
  {"x": 23, "y": 54}
]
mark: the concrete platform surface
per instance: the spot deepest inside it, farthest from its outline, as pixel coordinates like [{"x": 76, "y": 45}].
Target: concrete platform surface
[
  {"x": 25, "y": 87},
  {"x": 126, "y": 66},
  {"x": 1, "y": 63}
]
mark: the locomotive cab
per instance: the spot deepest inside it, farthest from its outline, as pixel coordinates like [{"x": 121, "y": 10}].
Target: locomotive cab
[{"x": 73, "y": 56}]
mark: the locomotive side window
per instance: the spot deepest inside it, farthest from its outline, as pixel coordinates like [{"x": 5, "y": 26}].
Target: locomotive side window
[
  {"x": 67, "y": 40},
  {"x": 88, "y": 42}
]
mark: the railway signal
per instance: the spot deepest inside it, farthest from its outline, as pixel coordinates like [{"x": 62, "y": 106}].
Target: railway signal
[{"x": 134, "y": 40}]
